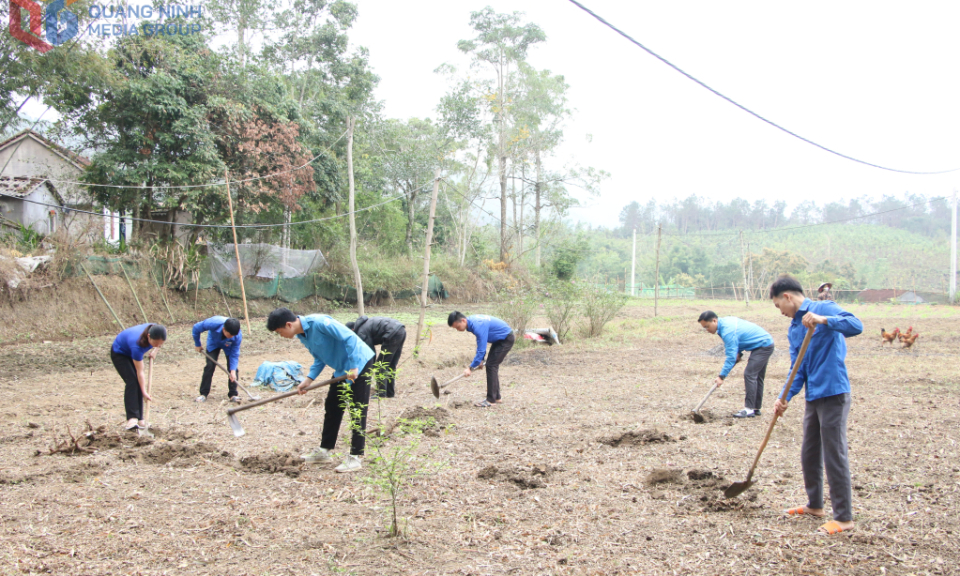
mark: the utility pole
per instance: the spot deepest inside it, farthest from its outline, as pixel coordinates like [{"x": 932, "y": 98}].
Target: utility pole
[
  {"x": 953, "y": 251},
  {"x": 656, "y": 278},
  {"x": 743, "y": 267},
  {"x": 633, "y": 266},
  {"x": 424, "y": 291}
]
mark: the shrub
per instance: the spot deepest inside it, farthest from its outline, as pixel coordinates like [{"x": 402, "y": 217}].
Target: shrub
[
  {"x": 518, "y": 309},
  {"x": 600, "y": 306},
  {"x": 562, "y": 306}
]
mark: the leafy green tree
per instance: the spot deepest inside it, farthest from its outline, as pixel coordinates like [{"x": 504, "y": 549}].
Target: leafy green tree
[{"x": 500, "y": 45}]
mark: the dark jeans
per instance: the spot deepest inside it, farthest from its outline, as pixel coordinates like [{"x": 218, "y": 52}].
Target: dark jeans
[
  {"x": 390, "y": 355},
  {"x": 132, "y": 395},
  {"x": 338, "y": 396},
  {"x": 207, "y": 380},
  {"x": 753, "y": 376},
  {"x": 825, "y": 442},
  {"x": 498, "y": 351}
]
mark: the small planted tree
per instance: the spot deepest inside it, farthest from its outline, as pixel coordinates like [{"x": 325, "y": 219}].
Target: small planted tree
[{"x": 392, "y": 458}]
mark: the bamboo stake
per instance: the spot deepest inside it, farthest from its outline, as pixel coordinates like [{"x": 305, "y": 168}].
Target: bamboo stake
[
  {"x": 236, "y": 249},
  {"x": 656, "y": 278},
  {"x": 135, "y": 297},
  {"x": 743, "y": 267},
  {"x": 104, "y": 298}
]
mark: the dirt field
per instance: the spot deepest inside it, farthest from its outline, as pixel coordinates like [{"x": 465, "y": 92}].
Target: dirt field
[{"x": 590, "y": 466}]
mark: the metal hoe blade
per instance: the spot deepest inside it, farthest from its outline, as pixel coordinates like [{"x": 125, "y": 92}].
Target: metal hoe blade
[
  {"x": 434, "y": 387},
  {"x": 235, "y": 425},
  {"x": 737, "y": 488}
]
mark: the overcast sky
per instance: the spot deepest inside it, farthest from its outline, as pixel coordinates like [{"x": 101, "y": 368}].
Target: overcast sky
[{"x": 873, "y": 80}]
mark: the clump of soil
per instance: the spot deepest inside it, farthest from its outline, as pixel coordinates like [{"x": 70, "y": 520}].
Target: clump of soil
[
  {"x": 433, "y": 418},
  {"x": 526, "y": 477},
  {"x": 636, "y": 438},
  {"x": 664, "y": 476},
  {"x": 284, "y": 462},
  {"x": 704, "y": 417},
  {"x": 696, "y": 475},
  {"x": 163, "y": 453},
  {"x": 88, "y": 442}
]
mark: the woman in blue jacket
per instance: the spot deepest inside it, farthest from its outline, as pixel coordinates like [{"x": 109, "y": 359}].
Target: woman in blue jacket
[{"x": 127, "y": 352}]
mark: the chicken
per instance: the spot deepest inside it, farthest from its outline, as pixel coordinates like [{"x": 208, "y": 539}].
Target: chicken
[
  {"x": 887, "y": 337},
  {"x": 905, "y": 334},
  {"x": 907, "y": 341}
]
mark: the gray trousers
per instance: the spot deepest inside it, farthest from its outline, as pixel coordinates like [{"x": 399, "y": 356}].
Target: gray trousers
[
  {"x": 825, "y": 442},
  {"x": 753, "y": 376}
]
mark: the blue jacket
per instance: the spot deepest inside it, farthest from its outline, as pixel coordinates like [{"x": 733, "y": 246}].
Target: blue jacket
[
  {"x": 823, "y": 369},
  {"x": 331, "y": 343},
  {"x": 215, "y": 339},
  {"x": 486, "y": 329},
  {"x": 126, "y": 342},
  {"x": 739, "y": 336}
]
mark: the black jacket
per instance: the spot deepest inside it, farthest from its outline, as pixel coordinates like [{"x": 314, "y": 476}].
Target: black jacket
[{"x": 376, "y": 330}]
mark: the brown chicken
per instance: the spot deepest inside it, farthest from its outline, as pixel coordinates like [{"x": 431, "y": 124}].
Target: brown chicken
[
  {"x": 907, "y": 341},
  {"x": 887, "y": 337},
  {"x": 905, "y": 334}
]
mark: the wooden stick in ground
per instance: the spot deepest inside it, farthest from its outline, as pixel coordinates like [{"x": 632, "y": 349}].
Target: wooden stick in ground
[
  {"x": 223, "y": 294},
  {"x": 134, "y": 292},
  {"x": 163, "y": 296},
  {"x": 104, "y": 298},
  {"x": 236, "y": 249},
  {"x": 737, "y": 488},
  {"x": 426, "y": 257},
  {"x": 357, "y": 280}
]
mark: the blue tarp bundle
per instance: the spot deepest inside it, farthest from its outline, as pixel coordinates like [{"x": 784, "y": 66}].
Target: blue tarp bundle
[{"x": 281, "y": 376}]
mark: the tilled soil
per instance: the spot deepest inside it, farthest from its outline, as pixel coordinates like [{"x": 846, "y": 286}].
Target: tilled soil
[{"x": 558, "y": 479}]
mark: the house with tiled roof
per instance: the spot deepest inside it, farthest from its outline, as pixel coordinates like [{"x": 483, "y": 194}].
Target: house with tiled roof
[{"x": 36, "y": 189}]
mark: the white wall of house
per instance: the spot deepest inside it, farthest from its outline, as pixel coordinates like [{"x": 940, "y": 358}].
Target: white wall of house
[{"x": 34, "y": 158}]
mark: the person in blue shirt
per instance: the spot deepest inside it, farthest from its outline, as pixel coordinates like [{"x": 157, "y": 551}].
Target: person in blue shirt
[
  {"x": 499, "y": 335},
  {"x": 333, "y": 344},
  {"x": 824, "y": 374},
  {"x": 223, "y": 334},
  {"x": 740, "y": 336},
  {"x": 126, "y": 353}
]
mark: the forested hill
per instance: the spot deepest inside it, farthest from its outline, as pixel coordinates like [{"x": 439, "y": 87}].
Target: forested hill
[{"x": 890, "y": 243}]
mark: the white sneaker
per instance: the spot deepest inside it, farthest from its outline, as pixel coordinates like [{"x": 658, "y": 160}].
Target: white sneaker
[
  {"x": 317, "y": 456},
  {"x": 201, "y": 399},
  {"x": 350, "y": 464}
]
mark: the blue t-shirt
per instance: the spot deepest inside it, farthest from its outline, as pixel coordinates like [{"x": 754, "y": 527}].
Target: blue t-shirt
[
  {"x": 332, "y": 344},
  {"x": 486, "y": 329},
  {"x": 215, "y": 339},
  {"x": 126, "y": 342},
  {"x": 823, "y": 370}
]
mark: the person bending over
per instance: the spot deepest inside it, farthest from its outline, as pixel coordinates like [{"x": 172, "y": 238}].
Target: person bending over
[
  {"x": 223, "y": 334},
  {"x": 490, "y": 330},
  {"x": 824, "y": 375},
  {"x": 126, "y": 353},
  {"x": 390, "y": 335},
  {"x": 740, "y": 336},
  {"x": 332, "y": 344}
]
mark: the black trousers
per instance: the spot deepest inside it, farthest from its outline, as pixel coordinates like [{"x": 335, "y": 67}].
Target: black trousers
[
  {"x": 390, "y": 355},
  {"x": 498, "y": 351},
  {"x": 207, "y": 380},
  {"x": 753, "y": 376},
  {"x": 132, "y": 395},
  {"x": 339, "y": 396}
]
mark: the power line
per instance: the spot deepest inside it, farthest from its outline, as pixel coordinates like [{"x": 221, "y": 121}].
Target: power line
[
  {"x": 190, "y": 225},
  {"x": 744, "y": 108}
]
